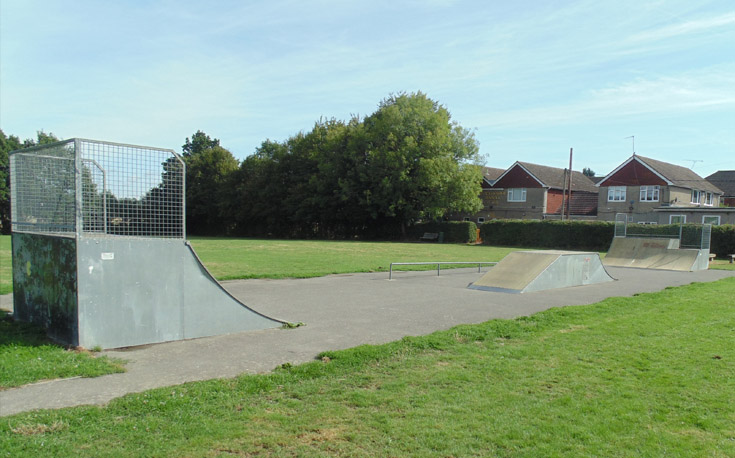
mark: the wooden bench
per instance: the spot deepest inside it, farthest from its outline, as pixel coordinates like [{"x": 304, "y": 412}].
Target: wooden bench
[{"x": 430, "y": 236}]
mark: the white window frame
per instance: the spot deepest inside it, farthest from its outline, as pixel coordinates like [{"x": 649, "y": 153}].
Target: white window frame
[
  {"x": 650, "y": 193},
  {"x": 711, "y": 216},
  {"x": 512, "y": 194},
  {"x": 683, "y": 219},
  {"x": 709, "y": 199},
  {"x": 481, "y": 220},
  {"x": 697, "y": 194},
  {"x": 616, "y": 193}
]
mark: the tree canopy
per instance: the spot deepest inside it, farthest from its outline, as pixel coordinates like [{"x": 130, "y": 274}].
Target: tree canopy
[{"x": 404, "y": 163}]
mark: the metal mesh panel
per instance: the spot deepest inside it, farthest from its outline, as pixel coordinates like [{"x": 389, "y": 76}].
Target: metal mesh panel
[
  {"x": 43, "y": 182},
  {"x": 621, "y": 224},
  {"x": 107, "y": 189},
  {"x": 131, "y": 190}
]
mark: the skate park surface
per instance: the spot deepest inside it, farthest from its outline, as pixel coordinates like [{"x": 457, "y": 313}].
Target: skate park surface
[{"x": 340, "y": 311}]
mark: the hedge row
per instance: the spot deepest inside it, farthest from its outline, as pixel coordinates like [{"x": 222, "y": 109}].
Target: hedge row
[
  {"x": 564, "y": 235},
  {"x": 593, "y": 235},
  {"x": 454, "y": 231}
]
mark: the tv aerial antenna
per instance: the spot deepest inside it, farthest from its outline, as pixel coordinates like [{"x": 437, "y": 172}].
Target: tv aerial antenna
[
  {"x": 632, "y": 137},
  {"x": 694, "y": 162}
]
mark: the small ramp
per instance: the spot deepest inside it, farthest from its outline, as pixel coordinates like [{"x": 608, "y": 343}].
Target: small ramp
[
  {"x": 655, "y": 253},
  {"x": 528, "y": 271}
]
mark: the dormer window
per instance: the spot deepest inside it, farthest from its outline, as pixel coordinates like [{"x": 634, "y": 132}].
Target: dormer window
[
  {"x": 709, "y": 199},
  {"x": 695, "y": 196}
]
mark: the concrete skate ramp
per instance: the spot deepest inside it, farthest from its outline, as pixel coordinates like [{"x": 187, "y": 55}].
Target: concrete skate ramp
[
  {"x": 528, "y": 271},
  {"x": 655, "y": 253},
  {"x": 137, "y": 291}
]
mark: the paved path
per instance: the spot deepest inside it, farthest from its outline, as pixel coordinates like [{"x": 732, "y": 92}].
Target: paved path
[{"x": 340, "y": 311}]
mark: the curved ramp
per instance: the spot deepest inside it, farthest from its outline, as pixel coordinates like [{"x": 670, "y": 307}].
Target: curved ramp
[
  {"x": 655, "y": 253},
  {"x": 528, "y": 271},
  {"x": 140, "y": 291}
]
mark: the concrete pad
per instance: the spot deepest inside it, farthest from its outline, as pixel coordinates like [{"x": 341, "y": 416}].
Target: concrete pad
[
  {"x": 340, "y": 311},
  {"x": 529, "y": 271}
]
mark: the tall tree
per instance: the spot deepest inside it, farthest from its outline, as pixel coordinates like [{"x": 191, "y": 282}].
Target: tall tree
[
  {"x": 207, "y": 183},
  {"x": 588, "y": 172},
  {"x": 418, "y": 164},
  {"x": 199, "y": 142}
]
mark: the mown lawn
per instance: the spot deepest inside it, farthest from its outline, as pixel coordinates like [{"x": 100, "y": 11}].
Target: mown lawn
[
  {"x": 651, "y": 375},
  {"x": 229, "y": 258},
  {"x": 6, "y": 265},
  {"x": 26, "y": 356}
]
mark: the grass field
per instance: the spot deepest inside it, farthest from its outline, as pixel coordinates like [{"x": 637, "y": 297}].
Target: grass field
[
  {"x": 230, "y": 259},
  {"x": 651, "y": 375},
  {"x": 26, "y": 356}
]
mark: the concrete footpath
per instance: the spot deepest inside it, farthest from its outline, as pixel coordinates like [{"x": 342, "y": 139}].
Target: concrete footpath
[{"x": 340, "y": 311}]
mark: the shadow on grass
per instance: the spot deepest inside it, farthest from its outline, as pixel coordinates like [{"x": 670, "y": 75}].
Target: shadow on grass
[{"x": 24, "y": 334}]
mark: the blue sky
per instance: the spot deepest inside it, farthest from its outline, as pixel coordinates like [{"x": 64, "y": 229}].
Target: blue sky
[{"x": 531, "y": 78}]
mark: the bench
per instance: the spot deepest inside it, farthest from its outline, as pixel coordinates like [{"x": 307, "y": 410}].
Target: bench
[
  {"x": 430, "y": 236},
  {"x": 712, "y": 257},
  {"x": 732, "y": 258}
]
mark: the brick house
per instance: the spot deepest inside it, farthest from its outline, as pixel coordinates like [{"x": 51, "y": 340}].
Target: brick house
[
  {"x": 725, "y": 181},
  {"x": 652, "y": 191},
  {"x": 532, "y": 191}
]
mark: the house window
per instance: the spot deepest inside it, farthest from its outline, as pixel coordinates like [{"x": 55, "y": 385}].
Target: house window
[
  {"x": 649, "y": 193},
  {"x": 711, "y": 219},
  {"x": 516, "y": 194},
  {"x": 616, "y": 194},
  {"x": 466, "y": 218},
  {"x": 695, "y": 196},
  {"x": 481, "y": 220},
  {"x": 677, "y": 219},
  {"x": 709, "y": 198}
]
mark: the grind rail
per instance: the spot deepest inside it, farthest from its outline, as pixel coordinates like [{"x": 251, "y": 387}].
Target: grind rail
[{"x": 438, "y": 265}]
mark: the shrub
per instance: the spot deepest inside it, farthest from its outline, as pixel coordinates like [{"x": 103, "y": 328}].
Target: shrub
[{"x": 575, "y": 235}]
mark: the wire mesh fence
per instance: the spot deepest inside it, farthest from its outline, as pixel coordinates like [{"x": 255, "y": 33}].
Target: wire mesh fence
[
  {"x": 689, "y": 235},
  {"x": 98, "y": 188}
]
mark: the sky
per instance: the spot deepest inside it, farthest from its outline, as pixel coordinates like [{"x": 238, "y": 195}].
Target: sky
[{"x": 531, "y": 79}]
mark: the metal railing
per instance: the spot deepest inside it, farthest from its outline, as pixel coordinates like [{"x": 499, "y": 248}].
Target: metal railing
[{"x": 438, "y": 265}]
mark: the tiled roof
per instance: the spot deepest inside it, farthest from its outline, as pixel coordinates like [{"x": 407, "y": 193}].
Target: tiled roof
[
  {"x": 725, "y": 180},
  {"x": 492, "y": 173},
  {"x": 679, "y": 176},
  {"x": 554, "y": 177}
]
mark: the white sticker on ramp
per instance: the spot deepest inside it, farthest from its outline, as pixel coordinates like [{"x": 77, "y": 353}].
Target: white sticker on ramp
[{"x": 108, "y": 256}]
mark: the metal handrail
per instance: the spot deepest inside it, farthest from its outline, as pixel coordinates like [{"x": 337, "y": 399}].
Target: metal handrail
[{"x": 438, "y": 265}]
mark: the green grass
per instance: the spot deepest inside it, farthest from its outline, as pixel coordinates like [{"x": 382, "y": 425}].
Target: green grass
[
  {"x": 6, "y": 265},
  {"x": 26, "y": 356},
  {"x": 230, "y": 259},
  {"x": 652, "y": 375}
]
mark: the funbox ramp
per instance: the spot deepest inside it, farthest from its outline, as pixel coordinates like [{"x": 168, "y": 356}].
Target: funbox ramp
[
  {"x": 118, "y": 292},
  {"x": 655, "y": 253},
  {"x": 528, "y": 271}
]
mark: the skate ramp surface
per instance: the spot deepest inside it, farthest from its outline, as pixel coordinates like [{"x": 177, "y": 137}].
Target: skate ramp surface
[
  {"x": 655, "y": 253},
  {"x": 529, "y": 271},
  {"x": 137, "y": 291}
]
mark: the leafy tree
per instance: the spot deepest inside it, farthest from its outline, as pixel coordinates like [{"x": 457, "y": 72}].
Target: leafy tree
[
  {"x": 588, "y": 172},
  {"x": 207, "y": 181},
  {"x": 198, "y": 143},
  {"x": 418, "y": 164}
]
